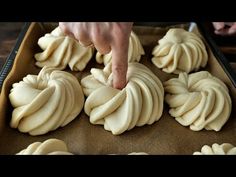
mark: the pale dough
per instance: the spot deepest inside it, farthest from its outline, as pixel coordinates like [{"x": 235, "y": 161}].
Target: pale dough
[
  {"x": 180, "y": 51},
  {"x": 134, "y": 52},
  {"x": 139, "y": 103},
  {"x": 48, "y": 147},
  {"x": 216, "y": 149},
  {"x": 138, "y": 153},
  {"x": 133, "y": 153},
  {"x": 60, "y": 50},
  {"x": 46, "y": 101},
  {"x": 198, "y": 100}
]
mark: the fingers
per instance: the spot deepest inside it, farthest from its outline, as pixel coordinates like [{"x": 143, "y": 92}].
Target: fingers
[
  {"x": 101, "y": 41},
  {"x": 229, "y": 23},
  {"x": 81, "y": 33},
  {"x": 222, "y": 32},
  {"x": 105, "y": 37},
  {"x": 78, "y": 31},
  {"x": 120, "y": 63},
  {"x": 232, "y": 29},
  {"x": 63, "y": 27},
  {"x": 218, "y": 25},
  {"x": 227, "y": 31},
  {"x": 119, "y": 68},
  {"x": 66, "y": 29},
  {"x": 225, "y": 28}
]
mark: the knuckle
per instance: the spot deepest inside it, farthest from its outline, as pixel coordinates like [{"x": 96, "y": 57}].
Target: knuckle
[
  {"x": 64, "y": 28},
  {"x": 104, "y": 49},
  {"x": 81, "y": 35}
]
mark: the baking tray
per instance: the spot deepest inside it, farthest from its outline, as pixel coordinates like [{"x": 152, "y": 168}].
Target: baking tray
[
  {"x": 165, "y": 136},
  {"x": 10, "y": 59},
  {"x": 224, "y": 62}
]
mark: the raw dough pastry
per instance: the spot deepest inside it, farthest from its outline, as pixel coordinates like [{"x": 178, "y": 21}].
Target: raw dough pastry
[
  {"x": 133, "y": 153},
  {"x": 45, "y": 102},
  {"x": 199, "y": 100},
  {"x": 60, "y": 50},
  {"x": 48, "y": 147},
  {"x": 180, "y": 51},
  {"x": 138, "y": 153},
  {"x": 134, "y": 53},
  {"x": 139, "y": 103},
  {"x": 216, "y": 149}
]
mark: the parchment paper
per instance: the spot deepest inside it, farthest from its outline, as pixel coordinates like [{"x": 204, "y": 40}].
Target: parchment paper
[{"x": 165, "y": 136}]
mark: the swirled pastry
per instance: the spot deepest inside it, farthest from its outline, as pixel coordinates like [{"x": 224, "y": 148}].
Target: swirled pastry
[
  {"x": 180, "y": 51},
  {"x": 199, "y": 100},
  {"x": 134, "y": 52},
  {"x": 60, "y": 50},
  {"x": 139, "y": 103},
  {"x": 216, "y": 149},
  {"x": 48, "y": 147},
  {"x": 45, "y": 101}
]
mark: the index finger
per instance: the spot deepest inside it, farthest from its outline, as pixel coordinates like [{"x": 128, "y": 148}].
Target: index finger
[{"x": 120, "y": 63}]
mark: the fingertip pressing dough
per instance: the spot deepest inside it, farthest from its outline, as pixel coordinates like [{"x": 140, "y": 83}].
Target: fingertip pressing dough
[
  {"x": 216, "y": 149},
  {"x": 60, "y": 50},
  {"x": 49, "y": 147},
  {"x": 46, "y": 101},
  {"x": 180, "y": 51},
  {"x": 198, "y": 100},
  {"x": 135, "y": 51},
  {"x": 139, "y": 103}
]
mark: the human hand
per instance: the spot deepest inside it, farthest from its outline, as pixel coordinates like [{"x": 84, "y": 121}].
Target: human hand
[
  {"x": 105, "y": 36},
  {"x": 225, "y": 28}
]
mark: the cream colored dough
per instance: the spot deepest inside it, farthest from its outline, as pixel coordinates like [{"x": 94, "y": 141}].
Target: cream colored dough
[
  {"x": 46, "y": 101},
  {"x": 134, "y": 52},
  {"x": 139, "y": 103},
  {"x": 133, "y": 153},
  {"x": 138, "y": 153},
  {"x": 198, "y": 100},
  {"x": 216, "y": 149},
  {"x": 60, "y": 50},
  {"x": 48, "y": 147},
  {"x": 180, "y": 51}
]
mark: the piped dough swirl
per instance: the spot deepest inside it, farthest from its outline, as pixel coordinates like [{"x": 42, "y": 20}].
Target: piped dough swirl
[
  {"x": 180, "y": 51},
  {"x": 139, "y": 103},
  {"x": 46, "y": 101},
  {"x": 60, "y": 50},
  {"x": 198, "y": 100},
  {"x": 216, "y": 149},
  {"x": 49, "y": 147}
]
